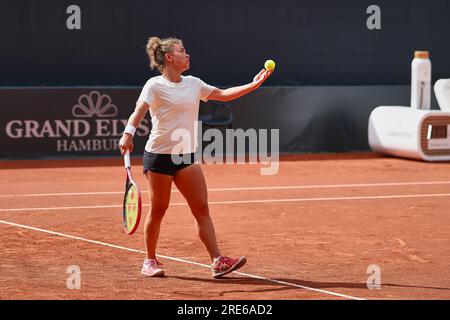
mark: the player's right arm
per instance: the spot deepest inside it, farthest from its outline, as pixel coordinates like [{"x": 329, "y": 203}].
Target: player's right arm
[{"x": 126, "y": 142}]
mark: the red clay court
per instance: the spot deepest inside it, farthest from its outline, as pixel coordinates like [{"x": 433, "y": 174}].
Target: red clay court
[{"x": 309, "y": 232}]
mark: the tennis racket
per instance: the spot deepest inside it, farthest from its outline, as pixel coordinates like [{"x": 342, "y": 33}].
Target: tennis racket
[{"x": 132, "y": 202}]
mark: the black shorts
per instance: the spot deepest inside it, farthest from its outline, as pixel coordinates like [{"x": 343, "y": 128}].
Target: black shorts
[{"x": 165, "y": 163}]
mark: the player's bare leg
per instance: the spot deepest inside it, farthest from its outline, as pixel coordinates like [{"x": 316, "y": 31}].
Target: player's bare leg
[
  {"x": 159, "y": 186},
  {"x": 191, "y": 183}
]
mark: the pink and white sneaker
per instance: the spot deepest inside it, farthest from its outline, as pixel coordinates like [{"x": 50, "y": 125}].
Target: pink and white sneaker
[
  {"x": 223, "y": 265},
  {"x": 152, "y": 268}
]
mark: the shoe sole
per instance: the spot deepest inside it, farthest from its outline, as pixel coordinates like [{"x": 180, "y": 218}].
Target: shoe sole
[
  {"x": 242, "y": 261},
  {"x": 156, "y": 274}
]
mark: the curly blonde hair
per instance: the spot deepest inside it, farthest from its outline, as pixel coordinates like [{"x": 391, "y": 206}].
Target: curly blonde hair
[{"x": 157, "y": 48}]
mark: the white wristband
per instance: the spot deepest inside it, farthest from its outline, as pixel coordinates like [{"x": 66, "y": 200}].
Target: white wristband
[{"x": 130, "y": 130}]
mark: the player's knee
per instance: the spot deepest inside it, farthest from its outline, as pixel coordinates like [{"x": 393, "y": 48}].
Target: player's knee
[
  {"x": 201, "y": 210},
  {"x": 158, "y": 211}
]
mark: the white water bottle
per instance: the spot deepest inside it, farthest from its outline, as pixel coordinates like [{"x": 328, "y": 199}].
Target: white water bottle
[{"x": 421, "y": 81}]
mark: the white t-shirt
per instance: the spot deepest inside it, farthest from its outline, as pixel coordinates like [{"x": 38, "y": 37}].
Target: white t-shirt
[{"x": 174, "y": 112}]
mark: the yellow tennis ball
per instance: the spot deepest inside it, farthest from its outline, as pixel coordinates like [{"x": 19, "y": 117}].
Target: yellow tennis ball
[{"x": 269, "y": 65}]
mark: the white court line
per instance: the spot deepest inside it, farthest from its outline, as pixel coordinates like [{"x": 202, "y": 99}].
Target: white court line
[
  {"x": 177, "y": 259},
  {"x": 247, "y": 201},
  {"x": 319, "y": 186}
]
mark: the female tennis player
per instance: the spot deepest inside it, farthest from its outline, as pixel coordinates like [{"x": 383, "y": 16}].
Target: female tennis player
[{"x": 173, "y": 101}]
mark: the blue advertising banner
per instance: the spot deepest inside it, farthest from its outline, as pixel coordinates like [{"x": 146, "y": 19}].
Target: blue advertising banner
[
  {"x": 53, "y": 122},
  {"x": 88, "y": 122}
]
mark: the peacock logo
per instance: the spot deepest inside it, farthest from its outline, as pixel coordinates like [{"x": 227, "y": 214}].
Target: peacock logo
[{"x": 94, "y": 104}]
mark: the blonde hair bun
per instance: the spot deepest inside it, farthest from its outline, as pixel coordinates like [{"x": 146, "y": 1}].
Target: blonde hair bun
[{"x": 157, "y": 48}]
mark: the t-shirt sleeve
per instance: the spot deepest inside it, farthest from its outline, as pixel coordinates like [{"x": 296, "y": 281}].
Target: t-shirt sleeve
[
  {"x": 147, "y": 93},
  {"x": 205, "y": 90}
]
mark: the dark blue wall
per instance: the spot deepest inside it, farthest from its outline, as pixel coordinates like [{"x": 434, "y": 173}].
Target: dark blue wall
[{"x": 322, "y": 42}]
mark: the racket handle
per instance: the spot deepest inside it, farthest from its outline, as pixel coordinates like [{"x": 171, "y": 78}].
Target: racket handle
[{"x": 126, "y": 159}]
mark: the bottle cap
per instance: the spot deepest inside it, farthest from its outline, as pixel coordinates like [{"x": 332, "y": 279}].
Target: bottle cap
[{"x": 421, "y": 54}]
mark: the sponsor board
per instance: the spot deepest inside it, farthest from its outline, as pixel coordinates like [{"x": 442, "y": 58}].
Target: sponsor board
[{"x": 58, "y": 122}]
